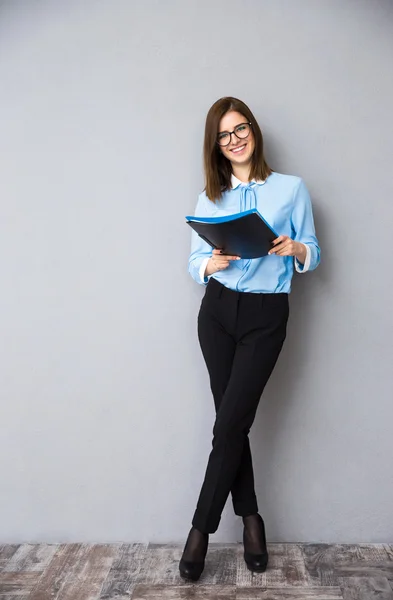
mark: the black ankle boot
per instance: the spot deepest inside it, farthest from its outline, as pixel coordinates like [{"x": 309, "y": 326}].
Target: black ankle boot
[
  {"x": 256, "y": 562},
  {"x": 192, "y": 562}
]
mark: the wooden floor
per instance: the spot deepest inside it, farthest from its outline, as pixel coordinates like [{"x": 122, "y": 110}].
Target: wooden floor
[{"x": 150, "y": 571}]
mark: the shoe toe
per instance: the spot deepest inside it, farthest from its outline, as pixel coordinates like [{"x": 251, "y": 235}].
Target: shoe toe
[
  {"x": 191, "y": 570},
  {"x": 256, "y": 562}
]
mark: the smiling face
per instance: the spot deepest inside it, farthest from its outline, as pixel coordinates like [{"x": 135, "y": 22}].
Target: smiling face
[{"x": 238, "y": 151}]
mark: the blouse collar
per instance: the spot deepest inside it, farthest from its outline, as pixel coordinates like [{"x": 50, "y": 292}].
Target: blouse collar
[{"x": 235, "y": 182}]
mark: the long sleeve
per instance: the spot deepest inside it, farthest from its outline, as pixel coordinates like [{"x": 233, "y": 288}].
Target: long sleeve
[
  {"x": 302, "y": 222},
  {"x": 200, "y": 250}
]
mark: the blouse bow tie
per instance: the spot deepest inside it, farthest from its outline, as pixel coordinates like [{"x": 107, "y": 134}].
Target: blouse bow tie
[{"x": 248, "y": 200}]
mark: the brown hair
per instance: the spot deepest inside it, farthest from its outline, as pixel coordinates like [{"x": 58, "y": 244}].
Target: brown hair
[{"x": 217, "y": 167}]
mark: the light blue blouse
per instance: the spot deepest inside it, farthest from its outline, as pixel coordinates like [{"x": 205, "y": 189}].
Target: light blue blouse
[{"x": 284, "y": 202}]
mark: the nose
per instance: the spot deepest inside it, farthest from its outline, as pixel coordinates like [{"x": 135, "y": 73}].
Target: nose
[{"x": 235, "y": 141}]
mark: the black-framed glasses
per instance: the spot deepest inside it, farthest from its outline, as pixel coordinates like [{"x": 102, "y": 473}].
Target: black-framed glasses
[{"x": 241, "y": 131}]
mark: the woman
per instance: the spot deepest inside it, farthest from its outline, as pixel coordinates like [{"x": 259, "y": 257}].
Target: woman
[{"x": 243, "y": 316}]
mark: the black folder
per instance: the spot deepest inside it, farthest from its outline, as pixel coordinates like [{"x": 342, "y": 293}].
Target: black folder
[{"x": 245, "y": 234}]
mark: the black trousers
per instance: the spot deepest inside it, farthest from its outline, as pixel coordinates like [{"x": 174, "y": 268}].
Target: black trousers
[{"x": 241, "y": 335}]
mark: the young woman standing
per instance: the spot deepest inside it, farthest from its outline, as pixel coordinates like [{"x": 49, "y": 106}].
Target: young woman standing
[{"x": 243, "y": 316}]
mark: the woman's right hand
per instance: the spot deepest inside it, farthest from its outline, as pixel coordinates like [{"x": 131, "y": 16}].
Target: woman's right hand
[{"x": 218, "y": 262}]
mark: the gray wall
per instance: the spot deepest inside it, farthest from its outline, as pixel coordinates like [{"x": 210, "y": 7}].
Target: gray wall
[{"x": 106, "y": 414}]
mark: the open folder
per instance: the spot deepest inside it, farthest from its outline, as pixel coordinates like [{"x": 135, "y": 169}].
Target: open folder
[{"x": 245, "y": 234}]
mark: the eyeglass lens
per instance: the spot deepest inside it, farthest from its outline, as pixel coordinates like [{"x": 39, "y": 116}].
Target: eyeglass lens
[{"x": 241, "y": 131}]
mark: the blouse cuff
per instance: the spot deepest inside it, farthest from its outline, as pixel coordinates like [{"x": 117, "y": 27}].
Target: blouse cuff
[
  {"x": 202, "y": 270},
  {"x": 303, "y": 268}
]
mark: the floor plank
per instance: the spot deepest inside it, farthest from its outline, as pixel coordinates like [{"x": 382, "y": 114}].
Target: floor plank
[
  {"x": 289, "y": 593},
  {"x": 77, "y": 572},
  {"x": 286, "y": 567},
  {"x": 220, "y": 565},
  {"x": 367, "y": 588},
  {"x": 123, "y": 573},
  {"x": 389, "y": 550},
  {"x": 57, "y": 572},
  {"x": 18, "y": 583},
  {"x": 382, "y": 570},
  {"x": 327, "y": 563},
  {"x": 32, "y": 557},
  {"x": 18, "y": 596},
  {"x": 161, "y": 565},
  {"x": 6, "y": 553},
  {"x": 189, "y": 592}
]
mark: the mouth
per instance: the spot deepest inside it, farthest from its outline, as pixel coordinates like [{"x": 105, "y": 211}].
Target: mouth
[{"x": 239, "y": 149}]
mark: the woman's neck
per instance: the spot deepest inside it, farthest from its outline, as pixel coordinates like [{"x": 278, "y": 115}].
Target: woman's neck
[{"x": 242, "y": 172}]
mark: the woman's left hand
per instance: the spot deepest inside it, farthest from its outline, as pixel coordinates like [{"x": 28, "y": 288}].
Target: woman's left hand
[{"x": 285, "y": 246}]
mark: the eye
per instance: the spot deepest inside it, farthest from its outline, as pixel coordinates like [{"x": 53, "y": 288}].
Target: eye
[
  {"x": 241, "y": 127},
  {"x": 222, "y": 135}
]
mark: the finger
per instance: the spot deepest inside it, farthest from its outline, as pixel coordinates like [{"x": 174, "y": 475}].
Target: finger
[
  {"x": 218, "y": 253},
  {"x": 276, "y": 249},
  {"x": 219, "y": 261},
  {"x": 277, "y": 240},
  {"x": 289, "y": 246},
  {"x": 280, "y": 239},
  {"x": 228, "y": 257},
  {"x": 284, "y": 244}
]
